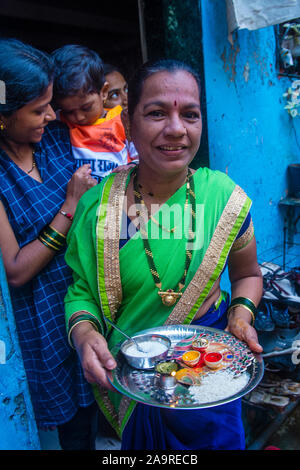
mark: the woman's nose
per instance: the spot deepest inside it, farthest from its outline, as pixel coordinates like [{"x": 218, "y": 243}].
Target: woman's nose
[
  {"x": 175, "y": 126},
  {"x": 50, "y": 114}
]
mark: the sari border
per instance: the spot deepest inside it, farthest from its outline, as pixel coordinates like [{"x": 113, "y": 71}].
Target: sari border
[
  {"x": 117, "y": 420},
  {"x": 246, "y": 238},
  {"x": 109, "y": 281},
  {"x": 107, "y": 235},
  {"x": 101, "y": 216},
  {"x": 214, "y": 259},
  {"x": 112, "y": 226}
]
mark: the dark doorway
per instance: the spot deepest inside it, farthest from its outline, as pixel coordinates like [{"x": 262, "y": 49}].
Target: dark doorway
[
  {"x": 111, "y": 29},
  {"x": 123, "y": 33}
]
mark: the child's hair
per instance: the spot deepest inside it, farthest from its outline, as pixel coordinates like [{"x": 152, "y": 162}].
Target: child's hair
[
  {"x": 78, "y": 69},
  {"x": 25, "y": 73},
  {"x": 136, "y": 84}
]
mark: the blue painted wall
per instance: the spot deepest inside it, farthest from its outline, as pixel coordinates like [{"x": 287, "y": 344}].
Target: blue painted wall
[
  {"x": 17, "y": 424},
  {"x": 251, "y": 136}
]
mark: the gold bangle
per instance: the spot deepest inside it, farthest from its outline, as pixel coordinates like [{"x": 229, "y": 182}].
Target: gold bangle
[
  {"x": 53, "y": 240},
  {"x": 59, "y": 233},
  {"x": 73, "y": 326},
  {"x": 244, "y": 306},
  {"x": 81, "y": 312},
  {"x": 48, "y": 244}
]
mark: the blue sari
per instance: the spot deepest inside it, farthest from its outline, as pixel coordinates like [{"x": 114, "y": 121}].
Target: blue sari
[{"x": 215, "y": 428}]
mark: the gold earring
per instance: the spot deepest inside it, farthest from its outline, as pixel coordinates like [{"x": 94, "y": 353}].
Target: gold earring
[{"x": 2, "y": 127}]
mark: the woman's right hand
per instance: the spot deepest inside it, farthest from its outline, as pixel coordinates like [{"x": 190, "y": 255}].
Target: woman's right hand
[
  {"x": 79, "y": 183},
  {"x": 96, "y": 360}
]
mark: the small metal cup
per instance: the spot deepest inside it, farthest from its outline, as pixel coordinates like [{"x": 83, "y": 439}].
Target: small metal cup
[{"x": 167, "y": 381}]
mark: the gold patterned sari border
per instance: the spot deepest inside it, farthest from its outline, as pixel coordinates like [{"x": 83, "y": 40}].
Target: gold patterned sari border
[
  {"x": 112, "y": 226},
  {"x": 246, "y": 238}
]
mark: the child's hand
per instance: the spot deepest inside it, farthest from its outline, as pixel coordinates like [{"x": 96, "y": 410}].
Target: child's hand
[{"x": 80, "y": 182}]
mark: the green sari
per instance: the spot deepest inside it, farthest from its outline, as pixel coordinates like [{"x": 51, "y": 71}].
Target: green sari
[{"x": 116, "y": 283}]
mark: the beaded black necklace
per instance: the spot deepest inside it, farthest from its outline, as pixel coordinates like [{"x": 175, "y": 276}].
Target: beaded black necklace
[{"x": 170, "y": 296}]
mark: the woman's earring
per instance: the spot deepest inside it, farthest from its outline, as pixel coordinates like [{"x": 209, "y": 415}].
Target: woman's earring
[{"x": 2, "y": 127}]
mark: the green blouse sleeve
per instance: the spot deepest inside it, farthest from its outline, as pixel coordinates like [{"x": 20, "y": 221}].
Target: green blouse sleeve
[{"x": 82, "y": 294}]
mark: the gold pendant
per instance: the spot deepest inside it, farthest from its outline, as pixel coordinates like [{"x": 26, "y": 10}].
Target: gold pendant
[{"x": 169, "y": 297}]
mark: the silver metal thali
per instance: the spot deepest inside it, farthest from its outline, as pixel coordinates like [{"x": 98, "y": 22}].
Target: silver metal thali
[{"x": 142, "y": 385}]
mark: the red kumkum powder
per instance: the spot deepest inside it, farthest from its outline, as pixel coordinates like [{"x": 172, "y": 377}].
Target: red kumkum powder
[{"x": 213, "y": 357}]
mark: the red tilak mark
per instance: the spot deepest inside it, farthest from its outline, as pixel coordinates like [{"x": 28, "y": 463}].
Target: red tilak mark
[{"x": 175, "y": 103}]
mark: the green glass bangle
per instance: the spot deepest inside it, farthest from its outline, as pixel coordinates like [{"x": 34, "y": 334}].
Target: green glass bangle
[
  {"x": 48, "y": 243},
  {"x": 52, "y": 232},
  {"x": 231, "y": 308},
  {"x": 246, "y": 302},
  {"x": 80, "y": 319},
  {"x": 84, "y": 317},
  {"x": 51, "y": 238}
]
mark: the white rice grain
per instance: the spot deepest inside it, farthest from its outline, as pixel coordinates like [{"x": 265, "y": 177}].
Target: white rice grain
[
  {"x": 149, "y": 349},
  {"x": 217, "y": 386}
]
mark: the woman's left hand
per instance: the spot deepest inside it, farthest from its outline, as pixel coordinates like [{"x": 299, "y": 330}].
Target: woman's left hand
[{"x": 239, "y": 325}]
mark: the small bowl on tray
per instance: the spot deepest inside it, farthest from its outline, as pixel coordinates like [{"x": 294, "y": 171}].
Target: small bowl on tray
[
  {"x": 156, "y": 349},
  {"x": 200, "y": 344},
  {"x": 191, "y": 358},
  {"x": 166, "y": 374},
  {"x": 213, "y": 360}
]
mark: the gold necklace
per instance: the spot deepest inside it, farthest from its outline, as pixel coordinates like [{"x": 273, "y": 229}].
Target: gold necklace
[
  {"x": 33, "y": 163},
  {"x": 138, "y": 195},
  {"x": 33, "y": 159},
  {"x": 169, "y": 297}
]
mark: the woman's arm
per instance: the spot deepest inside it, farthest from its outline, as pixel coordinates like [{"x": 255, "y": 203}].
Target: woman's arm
[
  {"x": 246, "y": 281},
  {"x": 95, "y": 357},
  {"x": 22, "y": 264}
]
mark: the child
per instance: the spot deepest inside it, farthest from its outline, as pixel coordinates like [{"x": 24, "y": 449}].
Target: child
[
  {"x": 98, "y": 135},
  {"x": 117, "y": 87}
]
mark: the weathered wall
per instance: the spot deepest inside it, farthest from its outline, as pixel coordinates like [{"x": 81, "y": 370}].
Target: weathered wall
[
  {"x": 17, "y": 424},
  {"x": 250, "y": 135}
]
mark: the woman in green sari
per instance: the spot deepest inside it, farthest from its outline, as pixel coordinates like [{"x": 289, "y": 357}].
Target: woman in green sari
[{"x": 161, "y": 263}]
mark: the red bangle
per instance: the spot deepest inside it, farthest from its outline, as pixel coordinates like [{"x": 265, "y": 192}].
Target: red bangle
[{"x": 66, "y": 214}]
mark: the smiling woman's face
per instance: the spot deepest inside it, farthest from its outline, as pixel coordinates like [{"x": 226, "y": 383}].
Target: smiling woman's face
[
  {"x": 166, "y": 124},
  {"x": 26, "y": 125}
]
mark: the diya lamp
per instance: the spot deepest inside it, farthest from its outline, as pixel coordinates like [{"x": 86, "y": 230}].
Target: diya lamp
[{"x": 166, "y": 374}]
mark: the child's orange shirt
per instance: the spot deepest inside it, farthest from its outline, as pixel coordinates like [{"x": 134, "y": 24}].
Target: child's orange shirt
[{"x": 103, "y": 144}]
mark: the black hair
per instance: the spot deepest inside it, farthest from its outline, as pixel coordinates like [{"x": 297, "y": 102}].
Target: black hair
[
  {"x": 110, "y": 68},
  {"x": 136, "y": 83},
  {"x": 25, "y": 74},
  {"x": 78, "y": 69}
]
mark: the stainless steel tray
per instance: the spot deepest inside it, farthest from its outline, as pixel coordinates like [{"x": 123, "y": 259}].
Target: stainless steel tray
[{"x": 142, "y": 385}]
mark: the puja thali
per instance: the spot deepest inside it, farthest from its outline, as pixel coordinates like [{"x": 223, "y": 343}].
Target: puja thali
[{"x": 239, "y": 372}]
